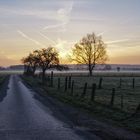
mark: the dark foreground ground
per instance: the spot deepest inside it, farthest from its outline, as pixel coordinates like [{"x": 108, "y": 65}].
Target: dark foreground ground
[
  {"x": 24, "y": 117},
  {"x": 24, "y": 114}
]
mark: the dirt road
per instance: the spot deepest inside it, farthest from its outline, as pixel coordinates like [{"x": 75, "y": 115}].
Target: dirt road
[{"x": 22, "y": 117}]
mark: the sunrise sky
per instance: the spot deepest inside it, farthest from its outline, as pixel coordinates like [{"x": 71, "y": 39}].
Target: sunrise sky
[{"x": 26, "y": 25}]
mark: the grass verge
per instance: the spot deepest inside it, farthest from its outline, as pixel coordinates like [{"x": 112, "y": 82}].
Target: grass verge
[{"x": 102, "y": 112}]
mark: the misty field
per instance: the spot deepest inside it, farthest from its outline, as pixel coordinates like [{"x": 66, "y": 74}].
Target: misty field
[
  {"x": 127, "y": 87},
  {"x": 116, "y": 97},
  {"x": 131, "y": 95}
]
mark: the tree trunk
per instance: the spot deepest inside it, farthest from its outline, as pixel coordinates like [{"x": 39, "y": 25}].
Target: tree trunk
[{"x": 90, "y": 70}]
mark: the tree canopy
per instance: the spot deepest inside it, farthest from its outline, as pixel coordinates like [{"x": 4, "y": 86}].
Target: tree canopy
[
  {"x": 90, "y": 50},
  {"x": 44, "y": 59}
]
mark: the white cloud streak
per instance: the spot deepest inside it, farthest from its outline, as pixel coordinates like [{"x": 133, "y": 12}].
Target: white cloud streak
[
  {"x": 117, "y": 41},
  {"x": 46, "y": 37},
  {"x": 30, "y": 39},
  {"x": 54, "y": 26},
  {"x": 41, "y": 14},
  {"x": 64, "y": 15},
  {"x": 100, "y": 34}
]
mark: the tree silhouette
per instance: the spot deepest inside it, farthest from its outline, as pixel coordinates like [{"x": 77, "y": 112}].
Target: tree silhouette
[
  {"x": 30, "y": 63},
  {"x": 91, "y": 50},
  {"x": 47, "y": 58},
  {"x": 44, "y": 59}
]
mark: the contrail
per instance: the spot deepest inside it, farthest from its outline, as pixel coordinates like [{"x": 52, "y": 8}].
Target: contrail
[
  {"x": 47, "y": 38},
  {"x": 117, "y": 41},
  {"x": 101, "y": 33},
  {"x": 65, "y": 22},
  {"x": 30, "y": 39},
  {"x": 54, "y": 26},
  {"x": 71, "y": 7}
]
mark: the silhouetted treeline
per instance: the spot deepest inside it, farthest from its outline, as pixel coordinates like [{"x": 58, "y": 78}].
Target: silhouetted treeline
[{"x": 44, "y": 59}]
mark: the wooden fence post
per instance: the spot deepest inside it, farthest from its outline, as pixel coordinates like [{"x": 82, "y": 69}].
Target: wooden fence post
[
  {"x": 58, "y": 86},
  {"x": 84, "y": 91},
  {"x": 120, "y": 85},
  {"x": 122, "y": 97},
  {"x": 93, "y": 92},
  {"x": 66, "y": 83},
  {"x": 72, "y": 87},
  {"x": 133, "y": 83},
  {"x": 51, "y": 78},
  {"x": 100, "y": 83},
  {"x": 69, "y": 83},
  {"x": 112, "y": 97}
]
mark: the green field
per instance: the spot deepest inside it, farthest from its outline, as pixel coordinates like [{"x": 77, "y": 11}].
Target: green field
[
  {"x": 131, "y": 96},
  {"x": 126, "y": 98}
]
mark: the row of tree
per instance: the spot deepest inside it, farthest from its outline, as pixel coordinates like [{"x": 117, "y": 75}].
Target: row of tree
[
  {"x": 44, "y": 59},
  {"x": 91, "y": 50}
]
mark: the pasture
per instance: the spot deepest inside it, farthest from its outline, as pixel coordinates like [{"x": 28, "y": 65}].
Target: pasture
[
  {"x": 126, "y": 85},
  {"x": 109, "y": 96},
  {"x": 127, "y": 88}
]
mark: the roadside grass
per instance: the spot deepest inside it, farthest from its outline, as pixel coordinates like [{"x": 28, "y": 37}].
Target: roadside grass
[
  {"x": 3, "y": 78},
  {"x": 3, "y": 83},
  {"x": 99, "y": 108}
]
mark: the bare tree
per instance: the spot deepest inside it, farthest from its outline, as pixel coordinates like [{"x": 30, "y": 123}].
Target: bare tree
[
  {"x": 91, "y": 50},
  {"x": 44, "y": 59},
  {"x": 47, "y": 58},
  {"x": 30, "y": 63}
]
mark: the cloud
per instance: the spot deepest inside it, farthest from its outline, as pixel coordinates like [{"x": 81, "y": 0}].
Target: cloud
[
  {"x": 46, "y": 37},
  {"x": 100, "y": 34},
  {"x": 89, "y": 19},
  {"x": 42, "y": 14},
  {"x": 117, "y": 41},
  {"x": 54, "y": 26},
  {"x": 63, "y": 15},
  {"x": 64, "y": 47},
  {"x": 30, "y": 39},
  {"x": 66, "y": 10}
]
